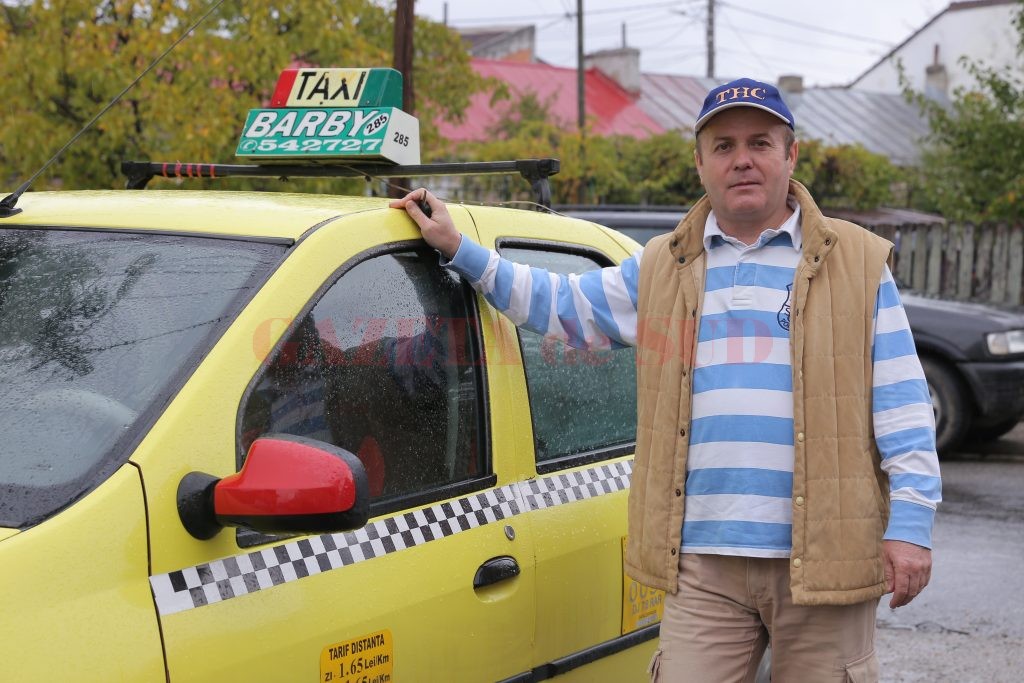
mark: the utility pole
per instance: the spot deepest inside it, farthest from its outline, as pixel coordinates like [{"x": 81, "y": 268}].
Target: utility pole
[
  {"x": 711, "y": 38},
  {"x": 580, "y": 99},
  {"x": 404, "y": 19}
]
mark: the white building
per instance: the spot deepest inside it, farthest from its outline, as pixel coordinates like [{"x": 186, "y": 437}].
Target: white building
[{"x": 981, "y": 30}]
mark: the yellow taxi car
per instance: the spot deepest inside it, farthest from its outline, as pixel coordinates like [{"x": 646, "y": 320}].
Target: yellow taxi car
[{"x": 470, "y": 527}]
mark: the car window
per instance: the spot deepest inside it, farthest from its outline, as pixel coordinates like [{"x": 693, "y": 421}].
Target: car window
[
  {"x": 95, "y": 329},
  {"x": 384, "y": 365},
  {"x": 583, "y": 403},
  {"x": 642, "y": 235}
]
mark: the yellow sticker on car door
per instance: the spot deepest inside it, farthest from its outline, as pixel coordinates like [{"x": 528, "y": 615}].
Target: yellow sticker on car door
[
  {"x": 365, "y": 659},
  {"x": 641, "y": 605}
]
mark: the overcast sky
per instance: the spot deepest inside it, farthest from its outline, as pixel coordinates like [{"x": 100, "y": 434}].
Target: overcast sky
[{"x": 829, "y": 42}]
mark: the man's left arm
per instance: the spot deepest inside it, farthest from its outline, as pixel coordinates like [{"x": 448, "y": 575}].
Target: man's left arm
[{"x": 904, "y": 424}]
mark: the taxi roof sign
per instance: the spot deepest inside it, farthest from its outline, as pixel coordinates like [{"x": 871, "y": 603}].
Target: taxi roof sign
[
  {"x": 338, "y": 88},
  {"x": 344, "y": 114}
]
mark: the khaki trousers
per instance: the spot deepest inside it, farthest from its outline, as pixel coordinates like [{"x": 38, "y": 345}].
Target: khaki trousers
[{"x": 716, "y": 627}]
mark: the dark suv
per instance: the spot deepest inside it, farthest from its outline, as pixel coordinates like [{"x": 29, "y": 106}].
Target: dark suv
[{"x": 972, "y": 353}]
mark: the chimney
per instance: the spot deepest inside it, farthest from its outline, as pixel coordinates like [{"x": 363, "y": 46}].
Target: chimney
[
  {"x": 621, "y": 64},
  {"x": 791, "y": 84},
  {"x": 936, "y": 79}
]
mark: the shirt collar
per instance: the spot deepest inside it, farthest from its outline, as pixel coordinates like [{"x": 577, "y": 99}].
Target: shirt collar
[{"x": 791, "y": 226}]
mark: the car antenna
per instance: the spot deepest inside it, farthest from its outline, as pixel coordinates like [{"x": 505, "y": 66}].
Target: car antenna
[{"x": 8, "y": 204}]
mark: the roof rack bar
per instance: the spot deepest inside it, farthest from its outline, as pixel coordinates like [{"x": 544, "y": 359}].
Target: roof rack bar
[{"x": 536, "y": 171}]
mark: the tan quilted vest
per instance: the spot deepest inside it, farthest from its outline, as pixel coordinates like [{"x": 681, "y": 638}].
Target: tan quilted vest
[{"x": 840, "y": 494}]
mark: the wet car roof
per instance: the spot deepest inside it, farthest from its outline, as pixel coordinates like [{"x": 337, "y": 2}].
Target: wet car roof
[{"x": 236, "y": 214}]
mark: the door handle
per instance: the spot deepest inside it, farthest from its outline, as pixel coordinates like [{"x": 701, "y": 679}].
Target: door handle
[{"x": 494, "y": 570}]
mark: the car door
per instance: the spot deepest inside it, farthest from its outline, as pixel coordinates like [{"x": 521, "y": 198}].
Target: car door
[
  {"x": 578, "y": 438},
  {"x": 361, "y": 340}
]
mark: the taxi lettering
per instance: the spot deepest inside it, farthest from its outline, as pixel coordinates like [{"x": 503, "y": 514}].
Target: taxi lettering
[{"x": 322, "y": 90}]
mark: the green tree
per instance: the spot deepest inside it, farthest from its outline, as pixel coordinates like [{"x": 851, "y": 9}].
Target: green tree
[
  {"x": 973, "y": 160},
  {"x": 659, "y": 170},
  {"x": 846, "y": 176},
  {"x": 63, "y": 60}
]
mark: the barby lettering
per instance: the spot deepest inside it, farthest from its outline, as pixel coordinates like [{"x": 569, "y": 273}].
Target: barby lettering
[{"x": 314, "y": 123}]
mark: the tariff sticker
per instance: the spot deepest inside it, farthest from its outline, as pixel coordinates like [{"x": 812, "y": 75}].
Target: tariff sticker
[
  {"x": 366, "y": 659},
  {"x": 641, "y": 605}
]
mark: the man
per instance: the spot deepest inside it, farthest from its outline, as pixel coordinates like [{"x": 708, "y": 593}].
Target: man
[{"x": 785, "y": 473}]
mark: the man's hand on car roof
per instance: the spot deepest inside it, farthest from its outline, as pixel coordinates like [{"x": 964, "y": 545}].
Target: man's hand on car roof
[{"x": 438, "y": 229}]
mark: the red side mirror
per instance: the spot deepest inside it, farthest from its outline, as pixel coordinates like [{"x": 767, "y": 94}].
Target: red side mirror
[{"x": 287, "y": 484}]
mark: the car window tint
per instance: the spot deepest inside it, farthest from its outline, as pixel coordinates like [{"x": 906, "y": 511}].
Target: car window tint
[
  {"x": 581, "y": 401},
  {"x": 95, "y": 328},
  {"x": 384, "y": 366}
]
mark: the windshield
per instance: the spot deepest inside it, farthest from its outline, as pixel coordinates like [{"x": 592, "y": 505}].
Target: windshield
[{"x": 97, "y": 330}]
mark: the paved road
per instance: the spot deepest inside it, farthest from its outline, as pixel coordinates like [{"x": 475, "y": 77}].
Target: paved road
[{"x": 968, "y": 626}]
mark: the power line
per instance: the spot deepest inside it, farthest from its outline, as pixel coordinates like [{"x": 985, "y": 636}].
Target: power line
[
  {"x": 750, "y": 49},
  {"x": 782, "y": 60},
  {"x": 678, "y": 54},
  {"x": 553, "y": 22},
  {"x": 796, "y": 41},
  {"x": 568, "y": 15},
  {"x": 793, "y": 23},
  {"x": 616, "y": 22},
  {"x": 636, "y": 26}
]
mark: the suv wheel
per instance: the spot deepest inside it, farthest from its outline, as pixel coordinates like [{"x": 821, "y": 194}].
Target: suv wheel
[{"x": 949, "y": 399}]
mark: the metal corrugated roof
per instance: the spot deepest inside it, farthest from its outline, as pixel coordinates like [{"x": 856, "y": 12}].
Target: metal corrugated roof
[
  {"x": 882, "y": 123},
  {"x": 611, "y": 108},
  {"x": 673, "y": 101}
]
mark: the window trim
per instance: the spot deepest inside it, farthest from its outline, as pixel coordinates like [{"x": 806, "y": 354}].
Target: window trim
[
  {"x": 566, "y": 462},
  {"x": 418, "y": 499},
  {"x": 586, "y": 457},
  {"x": 487, "y": 478}
]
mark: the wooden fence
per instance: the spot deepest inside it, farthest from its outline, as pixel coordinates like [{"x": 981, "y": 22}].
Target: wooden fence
[{"x": 982, "y": 262}]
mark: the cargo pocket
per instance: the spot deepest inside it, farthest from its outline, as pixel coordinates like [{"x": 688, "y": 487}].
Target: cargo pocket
[
  {"x": 863, "y": 670},
  {"x": 654, "y": 668}
]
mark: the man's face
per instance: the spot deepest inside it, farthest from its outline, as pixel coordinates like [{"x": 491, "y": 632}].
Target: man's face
[{"x": 744, "y": 166}]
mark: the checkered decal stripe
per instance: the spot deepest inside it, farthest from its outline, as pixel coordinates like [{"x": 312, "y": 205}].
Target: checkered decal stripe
[
  {"x": 243, "y": 574},
  {"x": 233, "y": 577},
  {"x": 569, "y": 487}
]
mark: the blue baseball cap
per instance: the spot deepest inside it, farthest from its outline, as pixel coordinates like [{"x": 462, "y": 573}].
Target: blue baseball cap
[{"x": 744, "y": 92}]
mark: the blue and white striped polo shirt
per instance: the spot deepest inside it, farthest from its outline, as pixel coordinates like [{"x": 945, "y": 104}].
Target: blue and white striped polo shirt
[
  {"x": 739, "y": 479},
  {"x": 740, "y": 465}
]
